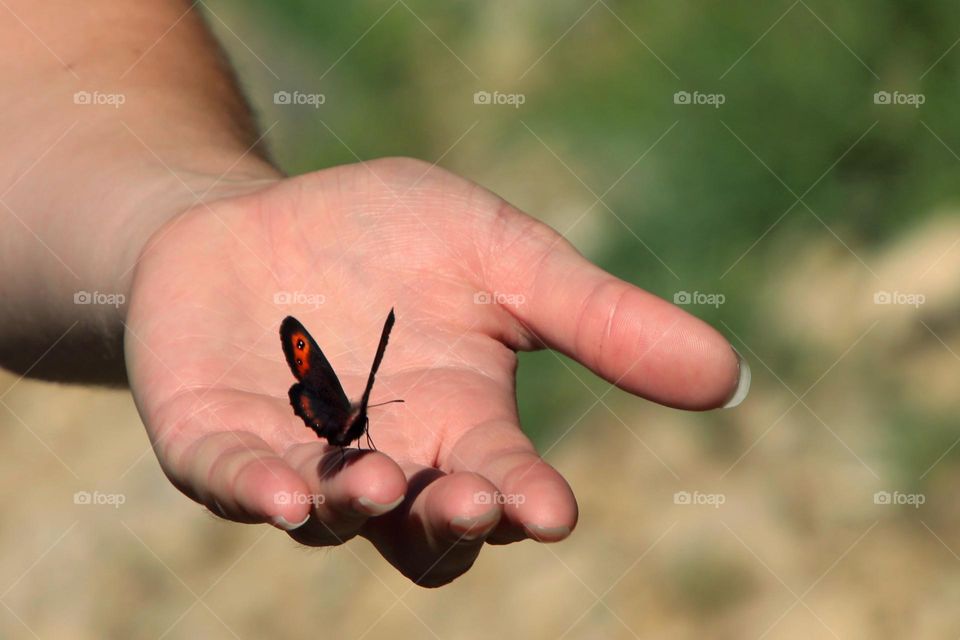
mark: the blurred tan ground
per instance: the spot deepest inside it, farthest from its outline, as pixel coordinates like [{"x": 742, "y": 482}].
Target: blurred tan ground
[{"x": 798, "y": 549}]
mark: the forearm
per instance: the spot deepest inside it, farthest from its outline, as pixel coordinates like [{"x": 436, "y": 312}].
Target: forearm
[{"x": 112, "y": 121}]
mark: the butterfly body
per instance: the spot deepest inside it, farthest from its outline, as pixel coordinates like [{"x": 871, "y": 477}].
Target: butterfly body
[{"x": 318, "y": 397}]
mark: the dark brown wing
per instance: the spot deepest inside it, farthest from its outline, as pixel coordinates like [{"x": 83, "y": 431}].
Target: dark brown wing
[
  {"x": 316, "y": 376},
  {"x": 327, "y": 420},
  {"x": 377, "y": 359}
]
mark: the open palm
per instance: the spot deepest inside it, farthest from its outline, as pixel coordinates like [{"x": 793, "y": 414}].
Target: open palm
[{"x": 472, "y": 280}]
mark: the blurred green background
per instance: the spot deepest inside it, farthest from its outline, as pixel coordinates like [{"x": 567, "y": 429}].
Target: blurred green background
[
  {"x": 695, "y": 198},
  {"x": 800, "y": 199}
]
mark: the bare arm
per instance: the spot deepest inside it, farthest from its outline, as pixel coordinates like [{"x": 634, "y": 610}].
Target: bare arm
[{"x": 111, "y": 122}]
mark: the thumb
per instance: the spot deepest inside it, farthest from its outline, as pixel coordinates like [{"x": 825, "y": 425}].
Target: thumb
[{"x": 630, "y": 337}]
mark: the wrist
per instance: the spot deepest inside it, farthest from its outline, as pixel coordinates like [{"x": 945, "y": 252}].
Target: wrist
[
  {"x": 169, "y": 196},
  {"x": 65, "y": 314}
]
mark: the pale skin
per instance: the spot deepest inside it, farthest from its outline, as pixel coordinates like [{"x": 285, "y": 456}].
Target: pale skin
[{"x": 200, "y": 348}]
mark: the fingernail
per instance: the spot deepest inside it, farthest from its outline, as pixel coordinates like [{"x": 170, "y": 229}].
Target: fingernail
[
  {"x": 547, "y": 534},
  {"x": 371, "y": 508},
  {"x": 469, "y": 529},
  {"x": 282, "y": 523},
  {"x": 743, "y": 383}
]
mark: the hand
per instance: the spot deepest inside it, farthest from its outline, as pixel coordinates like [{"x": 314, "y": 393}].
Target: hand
[{"x": 208, "y": 375}]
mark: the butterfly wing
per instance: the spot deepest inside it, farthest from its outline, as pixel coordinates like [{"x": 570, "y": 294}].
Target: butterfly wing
[
  {"x": 327, "y": 420},
  {"x": 319, "y": 397},
  {"x": 387, "y": 326}
]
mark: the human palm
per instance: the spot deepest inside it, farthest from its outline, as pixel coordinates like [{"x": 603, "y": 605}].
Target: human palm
[{"x": 472, "y": 281}]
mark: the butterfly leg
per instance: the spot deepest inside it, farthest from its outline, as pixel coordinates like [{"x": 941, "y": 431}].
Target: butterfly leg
[{"x": 370, "y": 443}]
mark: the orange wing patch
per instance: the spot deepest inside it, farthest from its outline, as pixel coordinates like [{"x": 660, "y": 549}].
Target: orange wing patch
[{"x": 301, "y": 349}]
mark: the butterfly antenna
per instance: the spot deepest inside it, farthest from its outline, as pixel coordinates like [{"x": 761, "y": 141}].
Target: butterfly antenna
[{"x": 380, "y": 404}]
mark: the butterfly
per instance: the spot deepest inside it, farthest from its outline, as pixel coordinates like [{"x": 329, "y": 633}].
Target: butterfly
[{"x": 317, "y": 397}]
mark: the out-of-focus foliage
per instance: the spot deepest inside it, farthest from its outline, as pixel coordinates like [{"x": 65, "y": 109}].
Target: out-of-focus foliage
[{"x": 695, "y": 198}]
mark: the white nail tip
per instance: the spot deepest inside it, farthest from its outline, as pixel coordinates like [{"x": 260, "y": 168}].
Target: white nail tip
[
  {"x": 281, "y": 522},
  {"x": 743, "y": 384},
  {"x": 368, "y": 506}
]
